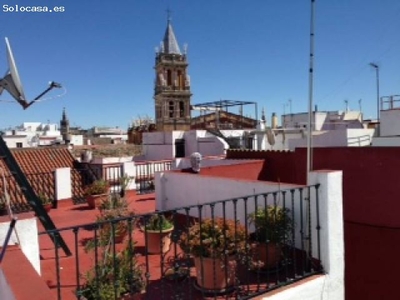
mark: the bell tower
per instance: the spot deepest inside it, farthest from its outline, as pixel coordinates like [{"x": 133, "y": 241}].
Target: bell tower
[
  {"x": 64, "y": 126},
  {"x": 172, "y": 85}
]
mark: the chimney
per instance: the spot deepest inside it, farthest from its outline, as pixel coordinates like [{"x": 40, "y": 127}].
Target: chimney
[{"x": 274, "y": 121}]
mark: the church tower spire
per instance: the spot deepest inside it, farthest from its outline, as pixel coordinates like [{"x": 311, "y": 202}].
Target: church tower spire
[{"x": 172, "y": 84}]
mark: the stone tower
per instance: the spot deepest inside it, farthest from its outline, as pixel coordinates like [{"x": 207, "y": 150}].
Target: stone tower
[{"x": 172, "y": 85}]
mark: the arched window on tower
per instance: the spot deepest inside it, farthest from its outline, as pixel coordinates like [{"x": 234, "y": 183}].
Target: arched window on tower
[
  {"x": 171, "y": 109},
  {"x": 181, "y": 109},
  {"x": 169, "y": 77}
]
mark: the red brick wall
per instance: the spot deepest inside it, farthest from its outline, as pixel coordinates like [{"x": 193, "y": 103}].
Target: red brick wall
[{"x": 371, "y": 206}]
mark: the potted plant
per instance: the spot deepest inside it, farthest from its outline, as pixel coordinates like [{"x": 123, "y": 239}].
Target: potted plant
[
  {"x": 97, "y": 192},
  {"x": 3, "y": 208},
  {"x": 116, "y": 230},
  {"x": 158, "y": 231},
  {"x": 46, "y": 201},
  {"x": 215, "y": 245},
  {"x": 109, "y": 227},
  {"x": 119, "y": 274},
  {"x": 273, "y": 227},
  {"x": 124, "y": 182},
  {"x": 114, "y": 201}
]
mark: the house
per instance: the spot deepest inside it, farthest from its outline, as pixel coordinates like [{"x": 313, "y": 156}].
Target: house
[{"x": 32, "y": 134}]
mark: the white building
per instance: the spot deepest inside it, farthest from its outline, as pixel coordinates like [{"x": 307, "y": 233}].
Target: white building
[
  {"x": 169, "y": 145},
  {"x": 389, "y": 128},
  {"x": 34, "y": 134}
]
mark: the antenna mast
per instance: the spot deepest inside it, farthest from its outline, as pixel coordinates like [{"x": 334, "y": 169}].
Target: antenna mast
[{"x": 310, "y": 93}]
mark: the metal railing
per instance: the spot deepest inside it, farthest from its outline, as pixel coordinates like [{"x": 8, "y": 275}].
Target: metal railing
[
  {"x": 362, "y": 140},
  {"x": 145, "y": 174},
  {"x": 125, "y": 265}
]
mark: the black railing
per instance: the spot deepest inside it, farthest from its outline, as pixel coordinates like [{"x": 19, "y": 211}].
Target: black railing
[
  {"x": 123, "y": 259},
  {"x": 145, "y": 174}
]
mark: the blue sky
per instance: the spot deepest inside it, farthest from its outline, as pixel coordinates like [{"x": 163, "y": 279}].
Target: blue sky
[{"x": 256, "y": 50}]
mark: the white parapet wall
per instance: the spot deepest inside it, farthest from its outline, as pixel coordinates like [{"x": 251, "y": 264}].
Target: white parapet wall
[
  {"x": 177, "y": 189},
  {"x": 26, "y": 235},
  {"x": 182, "y": 163},
  {"x": 329, "y": 286},
  {"x": 63, "y": 183}
]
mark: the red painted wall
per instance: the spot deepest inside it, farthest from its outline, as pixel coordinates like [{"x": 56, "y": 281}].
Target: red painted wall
[
  {"x": 371, "y": 207},
  {"x": 248, "y": 171}
]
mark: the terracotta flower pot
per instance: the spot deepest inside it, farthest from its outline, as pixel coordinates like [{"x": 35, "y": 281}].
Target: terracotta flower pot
[
  {"x": 47, "y": 207},
  {"x": 266, "y": 255},
  {"x": 221, "y": 279},
  {"x": 158, "y": 242},
  {"x": 3, "y": 212},
  {"x": 94, "y": 201}
]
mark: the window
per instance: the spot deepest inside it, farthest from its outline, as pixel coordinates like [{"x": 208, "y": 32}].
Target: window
[
  {"x": 180, "y": 80},
  {"x": 169, "y": 78},
  {"x": 171, "y": 109},
  {"x": 19, "y": 145},
  {"x": 181, "y": 109}
]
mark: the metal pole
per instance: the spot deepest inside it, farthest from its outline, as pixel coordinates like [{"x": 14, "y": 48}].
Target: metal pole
[
  {"x": 378, "y": 111},
  {"x": 310, "y": 92},
  {"x": 376, "y": 67}
]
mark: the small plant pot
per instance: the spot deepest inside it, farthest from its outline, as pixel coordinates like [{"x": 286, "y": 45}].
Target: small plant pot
[
  {"x": 48, "y": 207},
  {"x": 3, "y": 212},
  {"x": 94, "y": 201},
  {"x": 212, "y": 277},
  {"x": 158, "y": 242}
]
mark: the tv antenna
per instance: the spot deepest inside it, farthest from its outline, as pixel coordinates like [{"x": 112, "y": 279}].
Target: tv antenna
[{"x": 11, "y": 82}]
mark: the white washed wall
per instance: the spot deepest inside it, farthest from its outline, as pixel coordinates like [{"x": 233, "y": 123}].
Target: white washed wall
[
  {"x": 392, "y": 141},
  {"x": 12, "y": 141},
  {"x": 390, "y": 122},
  {"x": 27, "y": 238},
  {"x": 331, "y": 138},
  {"x": 63, "y": 183},
  {"x": 359, "y": 137},
  {"x": 178, "y": 189}
]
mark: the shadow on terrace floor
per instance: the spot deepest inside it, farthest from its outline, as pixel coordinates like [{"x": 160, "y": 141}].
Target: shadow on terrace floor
[{"x": 68, "y": 214}]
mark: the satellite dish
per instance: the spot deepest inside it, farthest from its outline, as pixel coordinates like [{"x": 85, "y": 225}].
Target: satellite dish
[
  {"x": 270, "y": 137},
  {"x": 11, "y": 82},
  {"x": 14, "y": 75}
]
